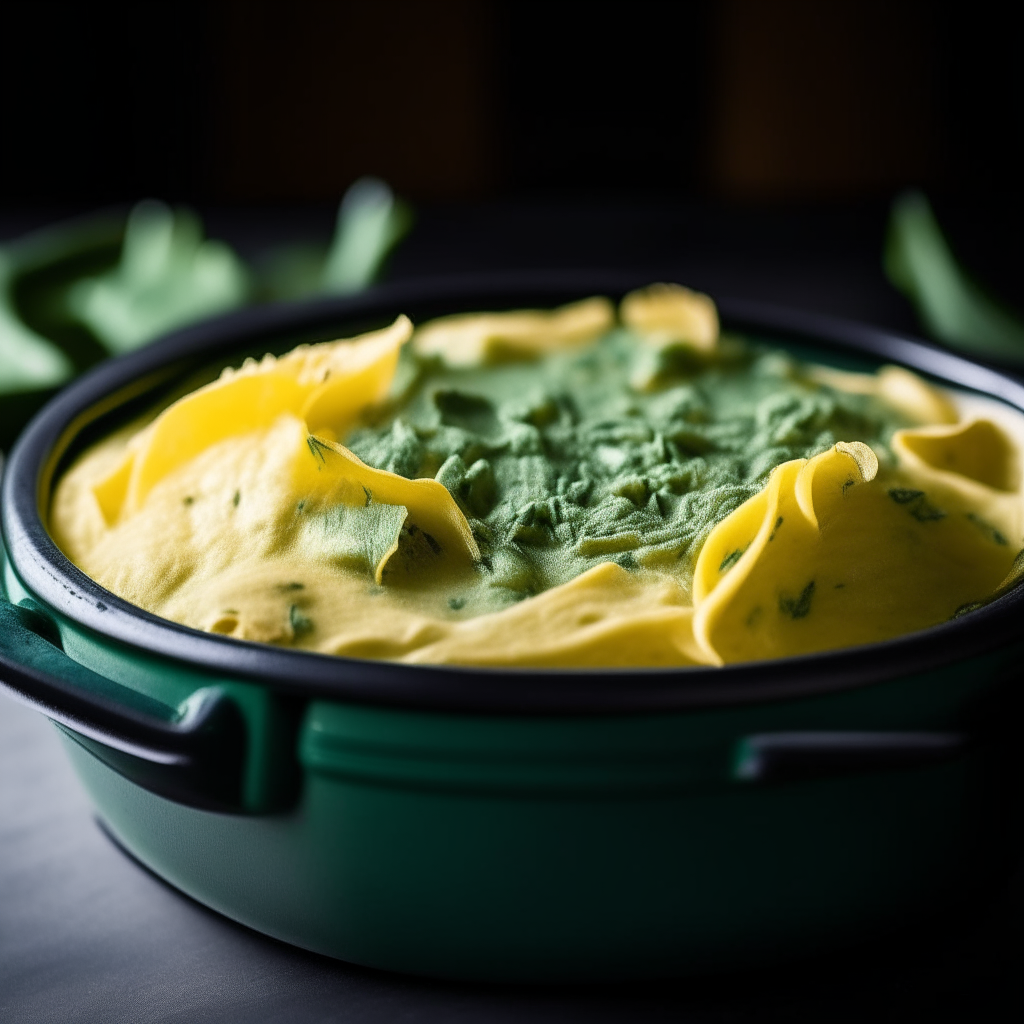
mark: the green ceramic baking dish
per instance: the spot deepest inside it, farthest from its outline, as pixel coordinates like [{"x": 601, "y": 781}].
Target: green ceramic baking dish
[{"x": 517, "y": 825}]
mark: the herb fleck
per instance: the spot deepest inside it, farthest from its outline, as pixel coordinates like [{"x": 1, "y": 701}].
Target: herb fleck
[
  {"x": 317, "y": 448},
  {"x": 236, "y": 499},
  {"x": 797, "y": 608},
  {"x": 921, "y": 509},
  {"x": 904, "y": 495},
  {"x": 455, "y": 603},
  {"x": 730, "y": 560},
  {"x": 923, "y": 512},
  {"x": 775, "y": 528},
  {"x": 300, "y": 623},
  {"x": 988, "y": 529},
  {"x": 188, "y": 500}
]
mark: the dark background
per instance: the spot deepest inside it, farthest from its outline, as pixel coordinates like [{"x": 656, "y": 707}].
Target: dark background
[
  {"x": 752, "y": 100},
  {"x": 789, "y": 105}
]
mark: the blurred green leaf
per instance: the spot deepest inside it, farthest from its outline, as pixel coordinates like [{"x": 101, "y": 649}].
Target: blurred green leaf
[
  {"x": 168, "y": 276},
  {"x": 74, "y": 292},
  {"x": 27, "y": 360},
  {"x": 952, "y": 307},
  {"x": 371, "y": 221}
]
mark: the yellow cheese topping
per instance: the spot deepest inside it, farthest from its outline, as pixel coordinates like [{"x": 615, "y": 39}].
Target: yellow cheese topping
[{"x": 239, "y": 510}]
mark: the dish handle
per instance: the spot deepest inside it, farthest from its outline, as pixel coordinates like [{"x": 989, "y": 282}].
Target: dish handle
[
  {"x": 193, "y": 754},
  {"x": 791, "y": 756}
]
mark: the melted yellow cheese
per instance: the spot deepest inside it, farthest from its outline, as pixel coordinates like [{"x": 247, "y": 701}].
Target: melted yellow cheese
[
  {"x": 832, "y": 554},
  {"x": 327, "y": 386},
  {"x": 468, "y": 339},
  {"x": 237, "y": 511},
  {"x": 665, "y": 314}
]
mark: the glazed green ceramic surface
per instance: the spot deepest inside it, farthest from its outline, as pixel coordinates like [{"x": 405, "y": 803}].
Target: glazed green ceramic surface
[
  {"x": 578, "y": 872},
  {"x": 557, "y": 848}
]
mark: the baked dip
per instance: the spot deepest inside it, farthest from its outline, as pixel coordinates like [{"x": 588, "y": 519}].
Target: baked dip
[{"x": 582, "y": 487}]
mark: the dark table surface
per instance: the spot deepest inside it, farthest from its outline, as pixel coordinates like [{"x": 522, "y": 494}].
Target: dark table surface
[{"x": 86, "y": 934}]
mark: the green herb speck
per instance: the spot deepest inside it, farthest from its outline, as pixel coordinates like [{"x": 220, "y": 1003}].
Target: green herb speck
[
  {"x": 300, "y": 623},
  {"x": 730, "y": 560},
  {"x": 904, "y": 495},
  {"x": 921, "y": 509},
  {"x": 988, "y": 529},
  {"x": 923, "y": 512},
  {"x": 797, "y": 608},
  {"x": 317, "y": 448}
]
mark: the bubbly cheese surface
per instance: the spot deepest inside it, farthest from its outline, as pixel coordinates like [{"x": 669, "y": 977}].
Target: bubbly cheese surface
[{"x": 559, "y": 489}]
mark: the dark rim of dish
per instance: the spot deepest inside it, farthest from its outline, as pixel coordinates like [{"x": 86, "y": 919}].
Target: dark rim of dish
[{"x": 54, "y": 580}]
